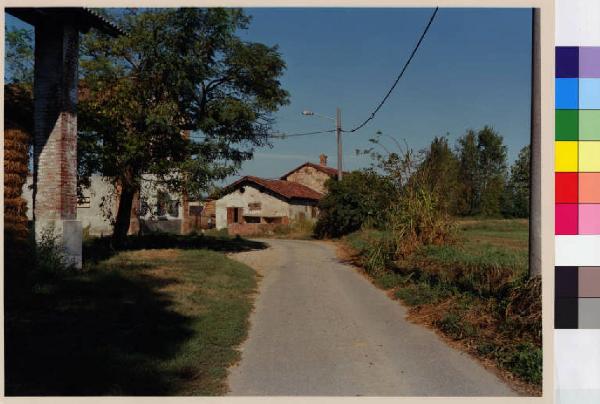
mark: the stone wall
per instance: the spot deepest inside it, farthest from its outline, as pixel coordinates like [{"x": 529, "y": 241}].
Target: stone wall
[
  {"x": 269, "y": 205},
  {"x": 310, "y": 177}
]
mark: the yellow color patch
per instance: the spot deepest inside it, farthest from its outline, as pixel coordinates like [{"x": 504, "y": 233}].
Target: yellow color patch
[
  {"x": 589, "y": 156},
  {"x": 565, "y": 156}
]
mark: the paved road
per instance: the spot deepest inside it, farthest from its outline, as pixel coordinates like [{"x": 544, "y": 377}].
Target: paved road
[{"x": 320, "y": 328}]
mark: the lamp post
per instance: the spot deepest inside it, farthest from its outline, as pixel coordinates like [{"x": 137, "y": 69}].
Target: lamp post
[{"x": 338, "y": 131}]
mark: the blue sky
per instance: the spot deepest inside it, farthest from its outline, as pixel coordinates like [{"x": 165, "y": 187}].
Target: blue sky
[{"x": 472, "y": 69}]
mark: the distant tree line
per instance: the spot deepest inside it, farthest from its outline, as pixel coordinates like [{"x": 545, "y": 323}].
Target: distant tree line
[
  {"x": 474, "y": 179},
  {"x": 421, "y": 191}
]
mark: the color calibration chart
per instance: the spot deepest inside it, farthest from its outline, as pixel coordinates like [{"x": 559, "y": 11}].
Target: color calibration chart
[
  {"x": 577, "y": 202},
  {"x": 577, "y": 179}
]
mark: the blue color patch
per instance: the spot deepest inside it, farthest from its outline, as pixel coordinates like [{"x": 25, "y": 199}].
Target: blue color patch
[
  {"x": 567, "y": 94},
  {"x": 589, "y": 93}
]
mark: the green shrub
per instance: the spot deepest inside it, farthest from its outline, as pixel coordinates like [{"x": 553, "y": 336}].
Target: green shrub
[
  {"x": 360, "y": 199},
  {"x": 453, "y": 325},
  {"x": 417, "y": 219},
  {"x": 526, "y": 361},
  {"x": 50, "y": 256},
  {"x": 390, "y": 280}
]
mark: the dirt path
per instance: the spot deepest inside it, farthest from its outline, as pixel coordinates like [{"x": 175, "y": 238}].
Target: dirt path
[{"x": 319, "y": 328}]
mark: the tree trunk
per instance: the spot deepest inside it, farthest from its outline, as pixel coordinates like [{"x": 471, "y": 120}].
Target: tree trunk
[{"x": 123, "y": 219}]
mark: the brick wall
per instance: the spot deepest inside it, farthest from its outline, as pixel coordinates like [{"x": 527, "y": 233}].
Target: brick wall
[{"x": 55, "y": 122}]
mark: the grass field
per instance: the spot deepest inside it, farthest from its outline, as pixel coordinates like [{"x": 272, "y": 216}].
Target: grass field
[
  {"x": 474, "y": 291},
  {"x": 141, "y": 322}
]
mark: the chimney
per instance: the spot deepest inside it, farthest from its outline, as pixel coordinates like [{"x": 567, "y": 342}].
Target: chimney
[{"x": 323, "y": 160}]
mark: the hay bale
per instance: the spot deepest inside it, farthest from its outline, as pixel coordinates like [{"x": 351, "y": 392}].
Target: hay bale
[{"x": 16, "y": 159}]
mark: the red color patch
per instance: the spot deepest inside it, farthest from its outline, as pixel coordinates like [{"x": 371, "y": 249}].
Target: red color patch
[{"x": 566, "y": 188}]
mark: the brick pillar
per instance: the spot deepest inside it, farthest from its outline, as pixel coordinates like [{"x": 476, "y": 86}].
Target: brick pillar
[{"x": 55, "y": 135}]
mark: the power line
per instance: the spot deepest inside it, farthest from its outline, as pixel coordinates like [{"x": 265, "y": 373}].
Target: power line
[
  {"x": 284, "y": 135},
  {"x": 276, "y": 135},
  {"x": 399, "y": 76},
  {"x": 414, "y": 51}
]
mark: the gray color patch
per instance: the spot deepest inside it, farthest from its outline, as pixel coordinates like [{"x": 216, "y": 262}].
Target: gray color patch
[{"x": 589, "y": 313}]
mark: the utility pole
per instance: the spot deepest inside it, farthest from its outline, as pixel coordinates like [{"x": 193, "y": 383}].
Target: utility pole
[
  {"x": 338, "y": 131},
  {"x": 535, "y": 172}
]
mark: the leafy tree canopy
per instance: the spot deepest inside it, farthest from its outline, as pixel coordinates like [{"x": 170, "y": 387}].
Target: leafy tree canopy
[
  {"x": 360, "y": 198},
  {"x": 18, "y": 59},
  {"x": 177, "y": 71}
]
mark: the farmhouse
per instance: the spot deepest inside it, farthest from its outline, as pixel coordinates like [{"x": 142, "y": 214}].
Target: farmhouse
[
  {"x": 154, "y": 209},
  {"x": 312, "y": 175},
  {"x": 254, "y": 205}
]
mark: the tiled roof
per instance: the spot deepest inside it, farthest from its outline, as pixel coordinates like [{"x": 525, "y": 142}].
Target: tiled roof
[
  {"x": 82, "y": 17},
  {"x": 332, "y": 172},
  {"x": 286, "y": 189}
]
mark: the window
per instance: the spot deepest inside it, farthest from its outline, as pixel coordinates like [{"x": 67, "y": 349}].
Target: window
[
  {"x": 173, "y": 208},
  {"x": 254, "y": 206},
  {"x": 144, "y": 207},
  {"x": 83, "y": 202},
  {"x": 162, "y": 198},
  {"x": 252, "y": 219},
  {"x": 165, "y": 205}
]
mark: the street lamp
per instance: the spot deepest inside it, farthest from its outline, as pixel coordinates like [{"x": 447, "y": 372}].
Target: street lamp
[{"x": 338, "y": 131}]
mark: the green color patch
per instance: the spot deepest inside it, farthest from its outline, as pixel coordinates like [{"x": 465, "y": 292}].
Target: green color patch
[
  {"x": 589, "y": 125},
  {"x": 567, "y": 124}
]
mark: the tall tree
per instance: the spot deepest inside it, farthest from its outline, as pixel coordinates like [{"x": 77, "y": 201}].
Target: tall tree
[
  {"x": 492, "y": 170},
  {"x": 176, "y": 70},
  {"x": 440, "y": 169},
  {"x": 468, "y": 155},
  {"x": 482, "y": 170},
  {"x": 517, "y": 189}
]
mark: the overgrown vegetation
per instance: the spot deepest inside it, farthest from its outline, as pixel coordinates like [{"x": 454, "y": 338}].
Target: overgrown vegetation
[
  {"x": 163, "y": 317},
  {"x": 416, "y": 194},
  {"x": 475, "y": 291}
]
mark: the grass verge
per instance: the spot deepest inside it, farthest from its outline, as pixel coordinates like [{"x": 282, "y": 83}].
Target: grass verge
[
  {"x": 142, "y": 322},
  {"x": 475, "y": 292}
]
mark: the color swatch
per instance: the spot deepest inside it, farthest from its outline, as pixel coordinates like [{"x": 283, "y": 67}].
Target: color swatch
[
  {"x": 577, "y": 350},
  {"x": 577, "y": 297},
  {"x": 577, "y": 141}
]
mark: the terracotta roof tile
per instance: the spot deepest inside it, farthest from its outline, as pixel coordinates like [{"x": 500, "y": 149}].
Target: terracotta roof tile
[{"x": 287, "y": 189}]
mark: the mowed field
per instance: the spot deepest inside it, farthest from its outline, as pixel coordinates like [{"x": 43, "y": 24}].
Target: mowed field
[{"x": 141, "y": 322}]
